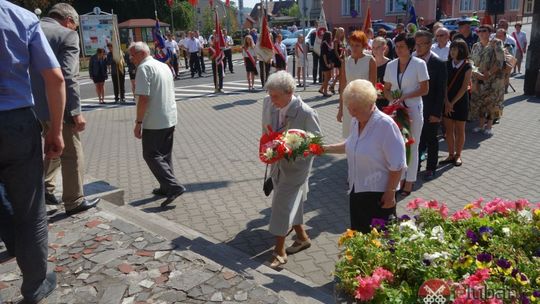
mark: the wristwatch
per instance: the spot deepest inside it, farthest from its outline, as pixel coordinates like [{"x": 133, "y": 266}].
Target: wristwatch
[{"x": 139, "y": 122}]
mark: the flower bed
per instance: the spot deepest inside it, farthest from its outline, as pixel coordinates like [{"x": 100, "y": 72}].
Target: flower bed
[{"x": 485, "y": 253}]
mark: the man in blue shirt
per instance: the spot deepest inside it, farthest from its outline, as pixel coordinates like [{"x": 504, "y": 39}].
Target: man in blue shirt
[{"x": 23, "y": 45}]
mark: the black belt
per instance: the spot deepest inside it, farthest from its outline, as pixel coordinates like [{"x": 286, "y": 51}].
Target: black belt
[{"x": 16, "y": 110}]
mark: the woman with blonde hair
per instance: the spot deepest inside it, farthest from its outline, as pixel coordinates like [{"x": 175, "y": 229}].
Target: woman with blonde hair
[
  {"x": 300, "y": 51},
  {"x": 357, "y": 66},
  {"x": 98, "y": 72},
  {"x": 338, "y": 58},
  {"x": 326, "y": 62},
  {"x": 378, "y": 50},
  {"x": 250, "y": 61}
]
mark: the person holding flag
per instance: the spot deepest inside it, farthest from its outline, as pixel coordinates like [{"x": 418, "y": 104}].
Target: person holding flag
[
  {"x": 265, "y": 51},
  {"x": 216, "y": 54}
]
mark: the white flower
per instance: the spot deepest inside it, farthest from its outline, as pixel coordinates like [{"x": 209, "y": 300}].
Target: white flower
[
  {"x": 293, "y": 140},
  {"x": 506, "y": 231},
  {"x": 268, "y": 154},
  {"x": 525, "y": 214},
  {"x": 437, "y": 233},
  {"x": 418, "y": 235},
  {"x": 436, "y": 255},
  {"x": 408, "y": 224}
]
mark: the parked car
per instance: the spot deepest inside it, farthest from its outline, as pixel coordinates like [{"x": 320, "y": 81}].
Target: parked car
[
  {"x": 291, "y": 41},
  {"x": 286, "y": 34},
  {"x": 452, "y": 23},
  {"x": 388, "y": 26}
]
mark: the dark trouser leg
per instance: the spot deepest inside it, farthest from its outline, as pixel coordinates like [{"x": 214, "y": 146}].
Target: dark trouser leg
[
  {"x": 429, "y": 142},
  {"x": 122, "y": 78},
  {"x": 202, "y": 66},
  {"x": 21, "y": 173},
  {"x": 364, "y": 207},
  {"x": 315, "y": 67},
  {"x": 193, "y": 63},
  {"x": 174, "y": 63},
  {"x": 219, "y": 76},
  {"x": 157, "y": 151},
  {"x": 116, "y": 84},
  {"x": 262, "y": 68},
  {"x": 228, "y": 60}
]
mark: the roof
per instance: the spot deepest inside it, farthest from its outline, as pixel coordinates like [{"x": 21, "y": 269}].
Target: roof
[{"x": 132, "y": 23}]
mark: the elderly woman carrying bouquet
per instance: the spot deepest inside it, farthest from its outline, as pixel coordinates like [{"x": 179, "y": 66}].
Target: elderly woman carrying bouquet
[
  {"x": 376, "y": 158},
  {"x": 283, "y": 111}
]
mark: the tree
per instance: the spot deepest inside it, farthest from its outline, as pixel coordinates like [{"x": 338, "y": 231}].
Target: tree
[
  {"x": 292, "y": 11},
  {"x": 183, "y": 15}
]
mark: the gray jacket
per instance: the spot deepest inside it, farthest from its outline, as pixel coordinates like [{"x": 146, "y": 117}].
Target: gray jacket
[
  {"x": 298, "y": 116},
  {"x": 65, "y": 45}
]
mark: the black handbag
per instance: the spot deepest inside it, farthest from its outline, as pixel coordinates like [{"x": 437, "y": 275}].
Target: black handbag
[{"x": 268, "y": 185}]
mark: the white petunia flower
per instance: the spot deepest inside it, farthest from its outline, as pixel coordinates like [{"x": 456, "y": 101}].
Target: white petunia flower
[
  {"x": 437, "y": 233},
  {"x": 408, "y": 224},
  {"x": 526, "y": 214},
  {"x": 506, "y": 231}
]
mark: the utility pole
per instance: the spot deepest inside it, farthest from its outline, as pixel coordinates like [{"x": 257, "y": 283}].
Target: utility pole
[{"x": 532, "y": 65}]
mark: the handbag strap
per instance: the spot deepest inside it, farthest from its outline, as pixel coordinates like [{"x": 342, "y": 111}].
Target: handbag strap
[{"x": 266, "y": 172}]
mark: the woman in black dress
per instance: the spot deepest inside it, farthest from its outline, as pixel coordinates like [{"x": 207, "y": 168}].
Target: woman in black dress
[
  {"x": 338, "y": 57},
  {"x": 378, "y": 49},
  {"x": 326, "y": 62},
  {"x": 456, "y": 105},
  {"x": 97, "y": 69}
]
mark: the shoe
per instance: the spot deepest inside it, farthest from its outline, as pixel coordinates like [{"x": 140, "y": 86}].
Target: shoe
[
  {"x": 85, "y": 205},
  {"x": 50, "y": 199},
  {"x": 488, "y": 132},
  {"x": 158, "y": 191},
  {"x": 333, "y": 90},
  {"x": 458, "y": 162},
  {"x": 298, "y": 246},
  {"x": 496, "y": 121},
  {"x": 171, "y": 197},
  {"x": 429, "y": 175},
  {"x": 423, "y": 157},
  {"x": 404, "y": 193},
  {"x": 477, "y": 130},
  {"x": 448, "y": 160},
  {"x": 45, "y": 290},
  {"x": 278, "y": 260}
]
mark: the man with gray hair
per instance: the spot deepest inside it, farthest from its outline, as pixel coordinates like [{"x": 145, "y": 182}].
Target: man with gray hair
[
  {"x": 441, "y": 47},
  {"x": 156, "y": 119},
  {"x": 60, "y": 29}
]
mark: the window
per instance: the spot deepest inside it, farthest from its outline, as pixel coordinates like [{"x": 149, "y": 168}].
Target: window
[
  {"x": 465, "y": 5},
  {"x": 514, "y": 5},
  {"x": 529, "y": 7},
  {"x": 396, "y": 6},
  {"x": 349, "y": 5},
  {"x": 482, "y": 5}
]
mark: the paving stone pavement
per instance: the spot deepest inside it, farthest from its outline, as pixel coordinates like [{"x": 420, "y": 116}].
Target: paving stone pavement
[
  {"x": 100, "y": 258},
  {"x": 215, "y": 156}
]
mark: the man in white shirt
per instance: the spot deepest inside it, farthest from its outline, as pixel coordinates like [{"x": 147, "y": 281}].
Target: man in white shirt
[
  {"x": 193, "y": 47},
  {"x": 227, "y": 51},
  {"x": 521, "y": 46},
  {"x": 172, "y": 46},
  {"x": 503, "y": 24},
  {"x": 202, "y": 42},
  {"x": 441, "y": 47},
  {"x": 156, "y": 119}
]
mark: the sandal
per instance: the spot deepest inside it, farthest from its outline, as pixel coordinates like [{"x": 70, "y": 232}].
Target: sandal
[
  {"x": 448, "y": 160},
  {"x": 458, "y": 162},
  {"x": 321, "y": 91},
  {"x": 404, "y": 193},
  {"x": 298, "y": 246},
  {"x": 278, "y": 260}
]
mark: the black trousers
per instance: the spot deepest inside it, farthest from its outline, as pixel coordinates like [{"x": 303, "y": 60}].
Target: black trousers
[
  {"x": 429, "y": 142},
  {"x": 194, "y": 64},
  {"x": 23, "y": 203},
  {"x": 203, "y": 66},
  {"x": 317, "y": 72},
  {"x": 366, "y": 206},
  {"x": 265, "y": 71},
  {"x": 219, "y": 76},
  {"x": 228, "y": 60},
  {"x": 174, "y": 63},
  {"x": 118, "y": 84},
  {"x": 157, "y": 152}
]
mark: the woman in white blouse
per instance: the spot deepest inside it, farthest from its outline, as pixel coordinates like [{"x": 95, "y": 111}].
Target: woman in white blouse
[
  {"x": 409, "y": 76},
  {"x": 375, "y": 155}
]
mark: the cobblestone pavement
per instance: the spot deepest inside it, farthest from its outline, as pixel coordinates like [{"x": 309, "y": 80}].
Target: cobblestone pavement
[
  {"x": 100, "y": 258},
  {"x": 215, "y": 156}
]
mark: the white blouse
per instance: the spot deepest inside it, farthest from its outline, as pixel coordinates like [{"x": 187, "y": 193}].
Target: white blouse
[
  {"x": 415, "y": 73},
  {"x": 374, "y": 153}
]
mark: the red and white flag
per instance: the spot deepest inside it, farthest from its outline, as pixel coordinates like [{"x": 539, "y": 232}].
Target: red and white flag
[
  {"x": 227, "y": 3},
  {"x": 265, "y": 47},
  {"x": 193, "y": 2},
  {"x": 219, "y": 41},
  {"x": 321, "y": 29},
  {"x": 367, "y": 21}
]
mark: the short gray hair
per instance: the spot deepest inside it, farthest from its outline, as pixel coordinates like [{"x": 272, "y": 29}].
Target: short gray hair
[
  {"x": 281, "y": 81},
  {"x": 64, "y": 10},
  {"x": 139, "y": 46},
  {"x": 360, "y": 92},
  {"x": 443, "y": 30},
  {"x": 425, "y": 34}
]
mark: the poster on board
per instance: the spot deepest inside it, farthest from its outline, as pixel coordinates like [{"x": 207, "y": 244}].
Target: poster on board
[{"x": 97, "y": 31}]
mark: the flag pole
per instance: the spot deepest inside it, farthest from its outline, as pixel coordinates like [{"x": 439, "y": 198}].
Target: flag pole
[
  {"x": 172, "y": 18},
  {"x": 214, "y": 62},
  {"x": 263, "y": 70}
]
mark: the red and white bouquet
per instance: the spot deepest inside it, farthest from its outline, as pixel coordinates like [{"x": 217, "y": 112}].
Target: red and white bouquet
[{"x": 290, "y": 144}]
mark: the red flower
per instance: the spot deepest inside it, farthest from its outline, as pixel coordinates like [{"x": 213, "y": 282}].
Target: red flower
[
  {"x": 410, "y": 141},
  {"x": 316, "y": 149},
  {"x": 379, "y": 86}
]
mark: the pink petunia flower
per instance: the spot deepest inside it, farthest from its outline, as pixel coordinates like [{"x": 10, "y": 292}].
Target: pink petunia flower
[
  {"x": 479, "y": 277},
  {"x": 478, "y": 203},
  {"x": 383, "y": 274},
  {"x": 415, "y": 204},
  {"x": 443, "y": 210},
  {"x": 433, "y": 204},
  {"x": 522, "y": 204},
  {"x": 461, "y": 215},
  {"x": 367, "y": 286}
]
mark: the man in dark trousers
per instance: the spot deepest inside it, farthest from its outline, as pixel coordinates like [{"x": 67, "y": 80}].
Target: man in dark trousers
[
  {"x": 23, "y": 46},
  {"x": 60, "y": 29},
  {"x": 193, "y": 47},
  {"x": 317, "y": 72},
  {"x": 433, "y": 102},
  {"x": 118, "y": 74}
]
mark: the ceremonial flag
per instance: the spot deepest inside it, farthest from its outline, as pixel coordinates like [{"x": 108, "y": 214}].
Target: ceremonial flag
[
  {"x": 211, "y": 2},
  {"x": 117, "y": 51},
  {"x": 487, "y": 20},
  {"x": 321, "y": 29},
  {"x": 170, "y": 3},
  {"x": 412, "y": 13},
  {"x": 367, "y": 21},
  {"x": 159, "y": 44},
  {"x": 265, "y": 47},
  {"x": 219, "y": 43},
  {"x": 193, "y": 2},
  {"x": 227, "y": 3}
]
